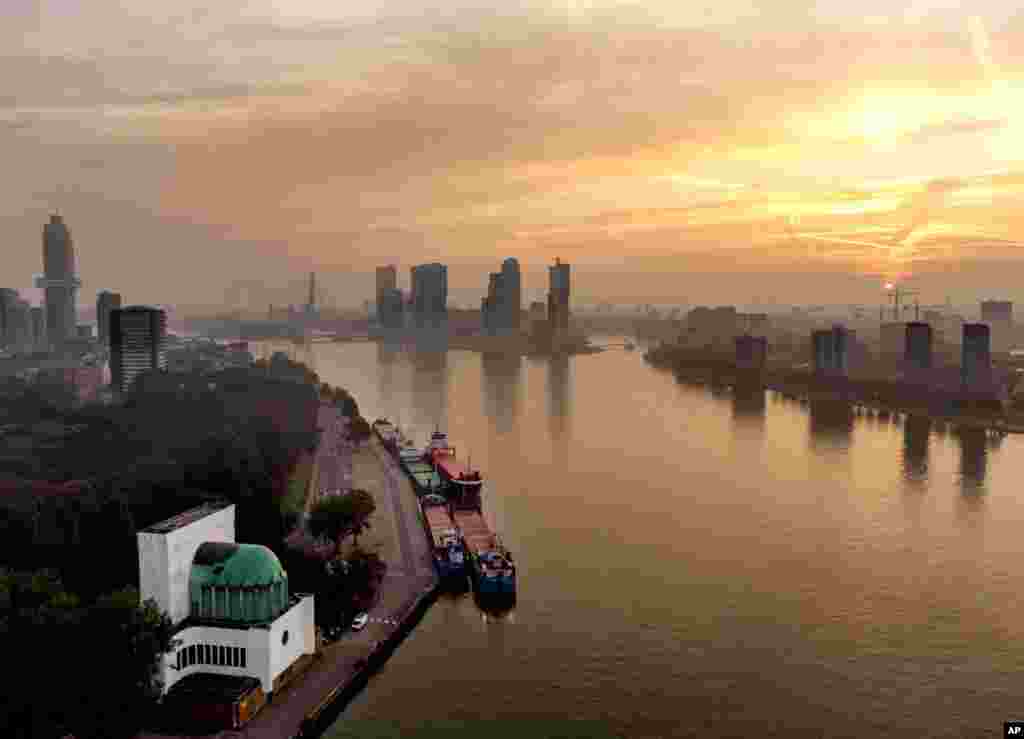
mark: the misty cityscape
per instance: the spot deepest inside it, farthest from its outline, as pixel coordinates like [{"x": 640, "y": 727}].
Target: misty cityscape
[{"x": 576, "y": 370}]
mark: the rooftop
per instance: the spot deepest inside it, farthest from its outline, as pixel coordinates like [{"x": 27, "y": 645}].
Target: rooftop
[{"x": 187, "y": 517}]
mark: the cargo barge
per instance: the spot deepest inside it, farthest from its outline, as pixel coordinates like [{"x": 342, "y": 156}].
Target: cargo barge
[
  {"x": 447, "y": 547},
  {"x": 491, "y": 567}
]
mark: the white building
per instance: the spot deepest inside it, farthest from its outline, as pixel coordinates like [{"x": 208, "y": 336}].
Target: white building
[{"x": 230, "y": 602}]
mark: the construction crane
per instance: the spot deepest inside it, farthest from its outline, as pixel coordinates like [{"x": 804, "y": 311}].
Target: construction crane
[{"x": 895, "y": 294}]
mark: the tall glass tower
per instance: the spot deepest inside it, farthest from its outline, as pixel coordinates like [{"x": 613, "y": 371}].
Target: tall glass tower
[{"x": 59, "y": 281}]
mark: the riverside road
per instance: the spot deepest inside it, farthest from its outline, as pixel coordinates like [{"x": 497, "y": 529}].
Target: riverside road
[{"x": 342, "y": 465}]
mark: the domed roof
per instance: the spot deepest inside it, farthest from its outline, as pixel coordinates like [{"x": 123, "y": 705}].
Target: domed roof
[
  {"x": 237, "y": 582},
  {"x": 223, "y": 564}
]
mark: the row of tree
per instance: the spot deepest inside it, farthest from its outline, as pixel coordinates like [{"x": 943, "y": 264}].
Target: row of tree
[{"x": 88, "y": 668}]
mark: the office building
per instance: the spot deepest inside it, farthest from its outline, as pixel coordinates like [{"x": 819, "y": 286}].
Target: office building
[
  {"x": 918, "y": 353},
  {"x": 996, "y": 311},
  {"x": 559, "y": 294},
  {"x": 390, "y": 308},
  {"x": 106, "y": 301},
  {"x": 138, "y": 336},
  {"x": 235, "y": 621},
  {"x": 15, "y": 321},
  {"x": 429, "y": 295},
  {"x": 512, "y": 294},
  {"x": 59, "y": 281},
  {"x": 38, "y": 319},
  {"x": 976, "y": 361}
]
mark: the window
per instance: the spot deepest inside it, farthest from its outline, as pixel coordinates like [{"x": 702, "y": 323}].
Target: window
[
  {"x": 177, "y": 660},
  {"x": 192, "y": 654},
  {"x": 243, "y": 657},
  {"x": 223, "y": 656},
  {"x": 236, "y": 658}
]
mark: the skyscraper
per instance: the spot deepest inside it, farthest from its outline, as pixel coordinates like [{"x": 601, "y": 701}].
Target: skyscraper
[
  {"x": 106, "y": 301},
  {"x": 429, "y": 295},
  {"x": 59, "y": 280},
  {"x": 137, "y": 337},
  {"x": 558, "y": 296},
  {"x": 512, "y": 293}
]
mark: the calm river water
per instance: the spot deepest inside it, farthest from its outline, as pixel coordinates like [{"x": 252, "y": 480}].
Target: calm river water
[{"x": 694, "y": 563}]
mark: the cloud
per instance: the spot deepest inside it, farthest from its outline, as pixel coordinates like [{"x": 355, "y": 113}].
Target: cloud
[{"x": 956, "y": 126}]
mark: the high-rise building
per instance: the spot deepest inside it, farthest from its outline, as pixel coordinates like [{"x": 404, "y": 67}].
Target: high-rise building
[
  {"x": 976, "y": 361},
  {"x": 919, "y": 345},
  {"x": 106, "y": 301},
  {"x": 138, "y": 336},
  {"x": 512, "y": 293},
  {"x": 429, "y": 295},
  {"x": 38, "y": 315},
  {"x": 559, "y": 293},
  {"x": 997, "y": 311},
  {"x": 59, "y": 281},
  {"x": 390, "y": 305},
  {"x": 15, "y": 321}
]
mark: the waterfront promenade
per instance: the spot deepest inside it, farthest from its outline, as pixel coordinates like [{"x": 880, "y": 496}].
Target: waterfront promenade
[{"x": 397, "y": 532}]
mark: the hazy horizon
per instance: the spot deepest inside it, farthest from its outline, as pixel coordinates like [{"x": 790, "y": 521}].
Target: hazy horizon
[{"x": 670, "y": 154}]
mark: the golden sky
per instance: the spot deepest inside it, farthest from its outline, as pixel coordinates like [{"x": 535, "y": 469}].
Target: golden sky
[{"x": 190, "y": 147}]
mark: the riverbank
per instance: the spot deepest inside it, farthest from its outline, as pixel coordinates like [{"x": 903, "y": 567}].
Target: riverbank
[
  {"x": 341, "y": 669},
  {"x": 873, "y": 396}
]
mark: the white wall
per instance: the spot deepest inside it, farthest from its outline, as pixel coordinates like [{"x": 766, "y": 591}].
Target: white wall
[
  {"x": 255, "y": 642},
  {"x": 181, "y": 550},
  {"x": 265, "y": 658},
  {"x": 153, "y": 582},
  {"x": 300, "y": 624}
]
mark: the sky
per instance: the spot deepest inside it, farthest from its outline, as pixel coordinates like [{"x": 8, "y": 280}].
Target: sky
[{"x": 723, "y": 151}]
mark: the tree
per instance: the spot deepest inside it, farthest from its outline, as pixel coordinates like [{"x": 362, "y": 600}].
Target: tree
[
  {"x": 331, "y": 517},
  {"x": 361, "y": 508},
  {"x": 360, "y": 429}
]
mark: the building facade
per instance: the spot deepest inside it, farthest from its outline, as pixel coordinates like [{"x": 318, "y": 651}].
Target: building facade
[
  {"x": 919, "y": 341},
  {"x": 751, "y": 352},
  {"x": 976, "y": 359},
  {"x": 60, "y": 282},
  {"x": 429, "y": 295},
  {"x": 559, "y": 294},
  {"x": 996, "y": 311},
  {"x": 230, "y": 603},
  {"x": 830, "y": 350},
  {"x": 106, "y": 302},
  {"x": 138, "y": 336}
]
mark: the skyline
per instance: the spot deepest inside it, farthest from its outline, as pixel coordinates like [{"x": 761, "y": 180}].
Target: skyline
[{"x": 642, "y": 143}]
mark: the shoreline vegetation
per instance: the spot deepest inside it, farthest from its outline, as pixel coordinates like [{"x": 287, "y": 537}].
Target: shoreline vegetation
[
  {"x": 874, "y": 394},
  {"x": 80, "y": 481}
]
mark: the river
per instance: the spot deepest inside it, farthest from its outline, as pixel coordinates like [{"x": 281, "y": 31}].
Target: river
[{"x": 694, "y": 563}]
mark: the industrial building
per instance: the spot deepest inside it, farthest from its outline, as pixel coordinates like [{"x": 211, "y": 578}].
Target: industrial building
[
  {"x": 138, "y": 336},
  {"x": 238, "y": 628}
]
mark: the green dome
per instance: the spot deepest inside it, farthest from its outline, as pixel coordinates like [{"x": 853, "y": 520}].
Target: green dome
[{"x": 240, "y": 583}]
